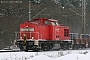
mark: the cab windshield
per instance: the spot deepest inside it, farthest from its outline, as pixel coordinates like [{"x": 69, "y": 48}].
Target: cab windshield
[
  {"x": 47, "y": 22},
  {"x": 54, "y": 23}
]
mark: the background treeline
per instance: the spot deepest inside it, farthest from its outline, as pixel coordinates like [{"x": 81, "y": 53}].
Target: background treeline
[{"x": 67, "y": 12}]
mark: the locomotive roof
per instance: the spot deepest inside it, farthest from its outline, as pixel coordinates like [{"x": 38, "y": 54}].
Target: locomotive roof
[
  {"x": 39, "y": 20},
  {"x": 45, "y": 19}
]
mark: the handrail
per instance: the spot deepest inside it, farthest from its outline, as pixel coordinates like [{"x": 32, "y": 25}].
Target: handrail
[{"x": 19, "y": 34}]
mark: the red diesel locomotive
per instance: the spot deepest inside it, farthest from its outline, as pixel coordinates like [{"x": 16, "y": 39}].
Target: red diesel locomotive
[{"x": 43, "y": 34}]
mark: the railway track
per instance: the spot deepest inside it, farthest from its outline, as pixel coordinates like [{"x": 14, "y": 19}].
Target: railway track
[
  {"x": 9, "y": 50},
  {"x": 43, "y": 51}
]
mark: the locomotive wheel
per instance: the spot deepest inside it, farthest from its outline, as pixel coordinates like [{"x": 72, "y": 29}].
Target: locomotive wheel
[
  {"x": 76, "y": 46},
  {"x": 21, "y": 47},
  {"x": 36, "y": 48}
]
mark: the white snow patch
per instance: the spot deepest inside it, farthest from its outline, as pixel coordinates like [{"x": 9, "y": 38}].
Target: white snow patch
[{"x": 50, "y": 55}]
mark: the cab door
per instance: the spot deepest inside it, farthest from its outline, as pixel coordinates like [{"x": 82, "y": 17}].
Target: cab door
[{"x": 56, "y": 33}]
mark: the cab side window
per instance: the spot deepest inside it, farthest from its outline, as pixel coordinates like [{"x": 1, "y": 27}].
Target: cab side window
[
  {"x": 66, "y": 32},
  {"x": 53, "y": 23}
]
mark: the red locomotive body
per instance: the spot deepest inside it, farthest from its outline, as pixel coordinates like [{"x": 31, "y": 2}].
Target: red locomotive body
[
  {"x": 44, "y": 29},
  {"x": 43, "y": 34}
]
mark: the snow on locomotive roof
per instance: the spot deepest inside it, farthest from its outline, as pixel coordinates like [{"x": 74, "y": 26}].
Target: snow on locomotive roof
[{"x": 52, "y": 20}]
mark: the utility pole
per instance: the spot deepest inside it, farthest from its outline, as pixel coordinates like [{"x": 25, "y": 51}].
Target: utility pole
[
  {"x": 29, "y": 11},
  {"x": 83, "y": 16}
]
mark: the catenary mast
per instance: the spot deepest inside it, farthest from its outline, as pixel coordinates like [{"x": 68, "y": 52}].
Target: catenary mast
[{"x": 83, "y": 16}]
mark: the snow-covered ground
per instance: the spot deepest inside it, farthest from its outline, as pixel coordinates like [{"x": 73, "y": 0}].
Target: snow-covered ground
[{"x": 51, "y": 55}]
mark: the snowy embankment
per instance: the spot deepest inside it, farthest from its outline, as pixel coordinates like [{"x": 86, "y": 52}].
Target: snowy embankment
[{"x": 51, "y": 55}]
